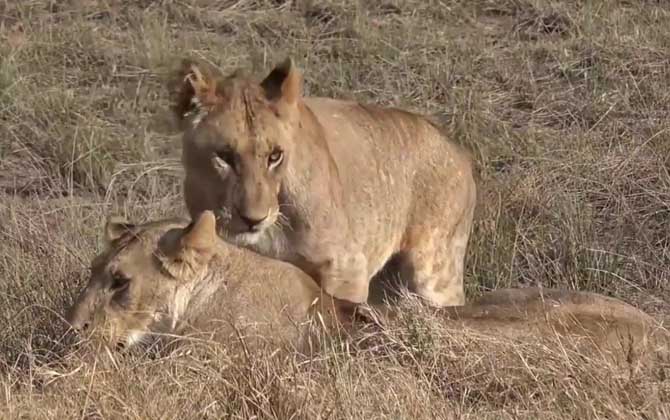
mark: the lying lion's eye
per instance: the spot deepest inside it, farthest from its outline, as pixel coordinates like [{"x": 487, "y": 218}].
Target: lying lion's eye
[
  {"x": 275, "y": 158},
  {"x": 119, "y": 281},
  {"x": 226, "y": 157}
]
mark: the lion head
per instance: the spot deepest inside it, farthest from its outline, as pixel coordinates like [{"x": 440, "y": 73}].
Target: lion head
[
  {"x": 173, "y": 277},
  {"x": 141, "y": 283},
  {"x": 238, "y": 139}
]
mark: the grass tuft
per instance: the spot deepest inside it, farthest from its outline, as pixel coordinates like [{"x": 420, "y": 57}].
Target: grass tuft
[{"x": 564, "y": 106}]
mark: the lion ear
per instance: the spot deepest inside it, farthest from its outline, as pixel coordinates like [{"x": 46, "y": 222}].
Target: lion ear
[
  {"x": 284, "y": 83},
  {"x": 194, "y": 90},
  {"x": 116, "y": 227},
  {"x": 201, "y": 235}
]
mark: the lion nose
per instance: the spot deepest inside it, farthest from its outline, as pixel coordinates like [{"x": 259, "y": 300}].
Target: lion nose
[
  {"x": 252, "y": 222},
  {"x": 80, "y": 326},
  {"x": 77, "y": 322}
]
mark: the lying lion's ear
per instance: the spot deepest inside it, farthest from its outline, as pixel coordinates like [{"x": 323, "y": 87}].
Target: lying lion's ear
[
  {"x": 116, "y": 227},
  {"x": 194, "y": 90},
  {"x": 201, "y": 236},
  {"x": 284, "y": 82}
]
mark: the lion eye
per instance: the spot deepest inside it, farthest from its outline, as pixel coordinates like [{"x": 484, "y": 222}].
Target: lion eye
[
  {"x": 225, "y": 158},
  {"x": 224, "y": 162},
  {"x": 275, "y": 158},
  {"x": 220, "y": 164},
  {"x": 119, "y": 282}
]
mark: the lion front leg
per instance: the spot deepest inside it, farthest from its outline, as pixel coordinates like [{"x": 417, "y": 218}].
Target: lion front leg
[{"x": 345, "y": 277}]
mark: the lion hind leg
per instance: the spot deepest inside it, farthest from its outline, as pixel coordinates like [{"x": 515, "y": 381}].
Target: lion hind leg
[{"x": 434, "y": 261}]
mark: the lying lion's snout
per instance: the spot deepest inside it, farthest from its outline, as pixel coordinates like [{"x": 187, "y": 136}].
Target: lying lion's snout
[
  {"x": 84, "y": 326},
  {"x": 81, "y": 327},
  {"x": 78, "y": 326},
  {"x": 78, "y": 316}
]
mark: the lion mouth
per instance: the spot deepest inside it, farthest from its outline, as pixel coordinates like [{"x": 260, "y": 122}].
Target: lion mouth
[
  {"x": 234, "y": 228},
  {"x": 132, "y": 339}
]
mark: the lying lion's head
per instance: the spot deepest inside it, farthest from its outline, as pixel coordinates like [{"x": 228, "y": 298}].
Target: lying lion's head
[
  {"x": 238, "y": 138},
  {"x": 139, "y": 284}
]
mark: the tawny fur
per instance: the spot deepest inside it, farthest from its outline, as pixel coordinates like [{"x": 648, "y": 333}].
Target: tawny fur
[
  {"x": 182, "y": 279},
  {"x": 356, "y": 185},
  {"x": 599, "y": 326}
]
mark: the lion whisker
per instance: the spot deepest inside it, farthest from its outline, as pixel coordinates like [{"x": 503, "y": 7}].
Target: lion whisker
[{"x": 282, "y": 221}]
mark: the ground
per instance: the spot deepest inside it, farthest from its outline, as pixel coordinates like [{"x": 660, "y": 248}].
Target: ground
[{"x": 565, "y": 106}]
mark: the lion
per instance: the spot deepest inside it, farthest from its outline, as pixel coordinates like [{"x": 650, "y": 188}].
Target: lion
[
  {"x": 616, "y": 330},
  {"x": 178, "y": 278},
  {"x": 337, "y": 188},
  {"x": 171, "y": 277}
]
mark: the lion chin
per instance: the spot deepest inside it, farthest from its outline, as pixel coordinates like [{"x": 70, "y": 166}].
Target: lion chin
[
  {"x": 247, "y": 238},
  {"x": 135, "y": 337}
]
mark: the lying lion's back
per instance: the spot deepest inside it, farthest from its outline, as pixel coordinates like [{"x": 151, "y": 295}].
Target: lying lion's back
[{"x": 611, "y": 326}]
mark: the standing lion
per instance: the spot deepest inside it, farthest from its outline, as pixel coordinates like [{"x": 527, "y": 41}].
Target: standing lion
[{"x": 334, "y": 187}]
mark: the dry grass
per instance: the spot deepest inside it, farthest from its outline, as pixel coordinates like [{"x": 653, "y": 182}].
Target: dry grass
[{"x": 565, "y": 106}]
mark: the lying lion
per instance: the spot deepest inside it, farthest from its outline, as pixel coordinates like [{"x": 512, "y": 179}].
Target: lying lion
[
  {"x": 171, "y": 277},
  {"x": 616, "y": 330},
  {"x": 335, "y": 187}
]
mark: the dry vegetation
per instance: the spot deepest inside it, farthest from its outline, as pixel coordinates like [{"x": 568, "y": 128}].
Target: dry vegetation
[{"x": 564, "y": 104}]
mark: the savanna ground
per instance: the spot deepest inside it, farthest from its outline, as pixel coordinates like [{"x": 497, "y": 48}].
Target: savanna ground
[{"x": 565, "y": 106}]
